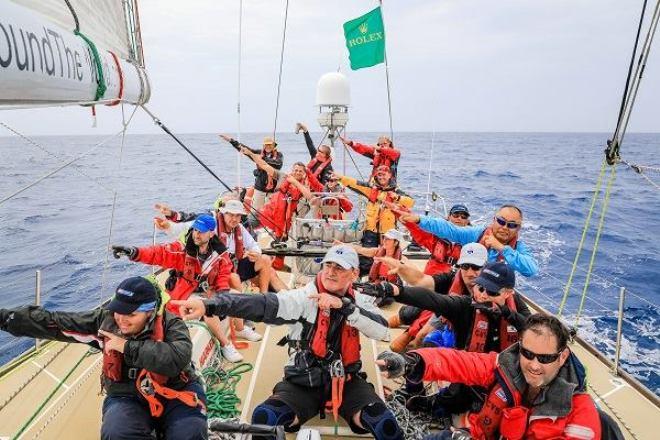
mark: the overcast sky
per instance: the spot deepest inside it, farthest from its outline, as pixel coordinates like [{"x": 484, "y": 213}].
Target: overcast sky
[{"x": 455, "y": 65}]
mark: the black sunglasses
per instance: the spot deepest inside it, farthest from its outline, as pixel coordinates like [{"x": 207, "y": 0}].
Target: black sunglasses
[
  {"x": 542, "y": 358},
  {"x": 462, "y": 215},
  {"x": 382, "y": 144},
  {"x": 482, "y": 289},
  {"x": 468, "y": 266},
  {"x": 504, "y": 222}
]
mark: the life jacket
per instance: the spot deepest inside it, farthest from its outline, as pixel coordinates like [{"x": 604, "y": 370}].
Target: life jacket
[
  {"x": 458, "y": 287},
  {"x": 446, "y": 252},
  {"x": 350, "y": 336},
  {"x": 223, "y": 235},
  {"x": 508, "y": 333},
  {"x": 320, "y": 166},
  {"x": 287, "y": 207},
  {"x": 374, "y": 198},
  {"x": 381, "y": 159},
  {"x": 375, "y": 271},
  {"x": 501, "y": 398},
  {"x": 489, "y": 231},
  {"x": 149, "y": 384},
  {"x": 270, "y": 182}
]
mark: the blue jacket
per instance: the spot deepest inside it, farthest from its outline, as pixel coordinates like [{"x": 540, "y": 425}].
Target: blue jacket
[{"x": 520, "y": 258}]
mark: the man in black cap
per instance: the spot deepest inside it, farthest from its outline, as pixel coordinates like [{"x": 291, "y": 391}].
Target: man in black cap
[{"x": 146, "y": 353}]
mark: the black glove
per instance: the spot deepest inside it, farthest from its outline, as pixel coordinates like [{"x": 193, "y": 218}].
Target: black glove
[
  {"x": 397, "y": 364},
  {"x": 348, "y": 306},
  {"x": 381, "y": 290},
  {"x": 4, "y": 318},
  {"x": 129, "y": 251}
]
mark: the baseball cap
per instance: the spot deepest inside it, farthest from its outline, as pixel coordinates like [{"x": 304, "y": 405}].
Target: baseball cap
[
  {"x": 394, "y": 235},
  {"x": 133, "y": 294},
  {"x": 268, "y": 140},
  {"x": 204, "y": 223},
  {"x": 233, "y": 207},
  {"x": 473, "y": 253},
  {"x": 496, "y": 276},
  {"x": 459, "y": 208},
  {"x": 343, "y": 255}
]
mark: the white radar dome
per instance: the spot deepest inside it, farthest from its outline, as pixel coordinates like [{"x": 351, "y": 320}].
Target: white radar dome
[{"x": 333, "y": 90}]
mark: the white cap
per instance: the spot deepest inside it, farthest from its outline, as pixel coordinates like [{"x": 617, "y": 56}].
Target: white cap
[
  {"x": 343, "y": 255},
  {"x": 233, "y": 207},
  {"x": 394, "y": 235},
  {"x": 473, "y": 253}
]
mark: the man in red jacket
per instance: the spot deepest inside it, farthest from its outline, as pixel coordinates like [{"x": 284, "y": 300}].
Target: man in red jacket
[
  {"x": 201, "y": 265},
  {"x": 383, "y": 153},
  {"x": 536, "y": 387}
]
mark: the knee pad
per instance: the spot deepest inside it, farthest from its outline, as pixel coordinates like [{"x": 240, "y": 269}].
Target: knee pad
[
  {"x": 273, "y": 412},
  {"x": 380, "y": 422}
]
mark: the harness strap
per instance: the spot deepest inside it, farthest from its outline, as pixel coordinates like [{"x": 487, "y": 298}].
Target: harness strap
[{"x": 150, "y": 389}]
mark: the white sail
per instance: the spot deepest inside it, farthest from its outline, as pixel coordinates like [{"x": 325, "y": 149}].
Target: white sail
[
  {"x": 42, "y": 60},
  {"x": 104, "y": 21}
]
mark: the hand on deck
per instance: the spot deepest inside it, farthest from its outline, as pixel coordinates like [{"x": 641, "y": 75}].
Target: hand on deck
[
  {"x": 164, "y": 209},
  {"x": 113, "y": 342},
  {"x": 327, "y": 301},
  {"x": 190, "y": 308}
]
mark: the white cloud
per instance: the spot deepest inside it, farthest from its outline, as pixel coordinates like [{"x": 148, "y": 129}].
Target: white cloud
[{"x": 511, "y": 65}]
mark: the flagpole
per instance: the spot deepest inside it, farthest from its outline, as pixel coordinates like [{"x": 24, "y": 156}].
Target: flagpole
[{"x": 387, "y": 78}]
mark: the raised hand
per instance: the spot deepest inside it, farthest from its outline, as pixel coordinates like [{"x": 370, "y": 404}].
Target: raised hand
[
  {"x": 301, "y": 127},
  {"x": 345, "y": 141},
  {"x": 225, "y": 137},
  {"x": 113, "y": 342},
  {"x": 161, "y": 223},
  {"x": 190, "y": 308},
  {"x": 164, "y": 209}
]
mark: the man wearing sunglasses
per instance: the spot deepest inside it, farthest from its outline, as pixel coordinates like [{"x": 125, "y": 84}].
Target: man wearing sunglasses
[
  {"x": 536, "y": 387},
  {"x": 501, "y": 237},
  {"x": 384, "y": 153}
]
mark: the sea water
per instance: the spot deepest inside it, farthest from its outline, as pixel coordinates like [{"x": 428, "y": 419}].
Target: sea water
[{"x": 61, "y": 225}]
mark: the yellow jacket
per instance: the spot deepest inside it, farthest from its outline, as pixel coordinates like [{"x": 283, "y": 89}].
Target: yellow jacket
[{"x": 379, "y": 218}]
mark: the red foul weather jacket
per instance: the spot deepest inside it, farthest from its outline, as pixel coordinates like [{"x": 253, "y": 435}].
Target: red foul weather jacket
[{"x": 215, "y": 271}]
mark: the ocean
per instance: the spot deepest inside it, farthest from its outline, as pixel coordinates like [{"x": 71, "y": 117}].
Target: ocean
[{"x": 61, "y": 225}]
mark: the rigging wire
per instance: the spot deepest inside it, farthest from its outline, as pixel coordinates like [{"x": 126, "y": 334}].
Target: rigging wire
[
  {"x": 238, "y": 98},
  {"x": 279, "y": 79},
  {"x": 53, "y": 155},
  {"x": 387, "y": 80},
  {"x": 163, "y": 127}
]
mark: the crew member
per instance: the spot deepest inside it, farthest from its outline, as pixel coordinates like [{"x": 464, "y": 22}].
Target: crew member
[
  {"x": 264, "y": 183},
  {"x": 379, "y": 217},
  {"x": 199, "y": 265},
  {"x": 320, "y": 164},
  {"x": 536, "y": 388},
  {"x": 383, "y": 153},
  {"x": 444, "y": 253},
  {"x": 327, "y": 366},
  {"x": 500, "y": 237},
  {"x": 141, "y": 344}
]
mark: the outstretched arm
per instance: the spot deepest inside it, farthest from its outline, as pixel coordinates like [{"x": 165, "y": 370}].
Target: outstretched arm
[{"x": 36, "y": 322}]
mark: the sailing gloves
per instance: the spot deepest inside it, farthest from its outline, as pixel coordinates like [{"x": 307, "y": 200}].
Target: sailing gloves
[
  {"x": 380, "y": 290},
  {"x": 130, "y": 251},
  {"x": 5, "y": 315},
  {"x": 396, "y": 364}
]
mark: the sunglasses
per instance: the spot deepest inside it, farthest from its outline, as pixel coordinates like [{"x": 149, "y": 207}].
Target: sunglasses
[
  {"x": 462, "y": 215},
  {"x": 482, "y": 289},
  {"x": 382, "y": 144},
  {"x": 468, "y": 266},
  {"x": 504, "y": 222},
  {"x": 542, "y": 358}
]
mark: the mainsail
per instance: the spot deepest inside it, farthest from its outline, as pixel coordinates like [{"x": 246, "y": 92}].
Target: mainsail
[{"x": 77, "y": 51}]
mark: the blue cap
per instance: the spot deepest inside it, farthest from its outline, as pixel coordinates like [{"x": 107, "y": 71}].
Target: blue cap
[
  {"x": 133, "y": 294},
  {"x": 204, "y": 223},
  {"x": 496, "y": 276},
  {"x": 459, "y": 208}
]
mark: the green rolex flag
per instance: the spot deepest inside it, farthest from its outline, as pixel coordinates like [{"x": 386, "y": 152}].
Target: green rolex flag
[{"x": 365, "y": 40}]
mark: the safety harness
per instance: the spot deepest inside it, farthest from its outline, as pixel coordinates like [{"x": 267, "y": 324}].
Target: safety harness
[{"x": 150, "y": 385}]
